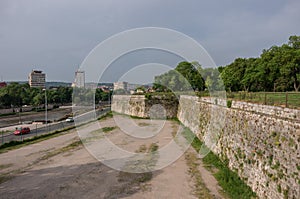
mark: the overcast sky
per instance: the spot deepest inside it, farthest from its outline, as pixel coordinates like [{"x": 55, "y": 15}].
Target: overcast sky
[{"x": 56, "y": 35}]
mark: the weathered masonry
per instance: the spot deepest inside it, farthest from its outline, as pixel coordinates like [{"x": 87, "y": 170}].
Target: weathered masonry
[
  {"x": 140, "y": 106},
  {"x": 261, "y": 143}
]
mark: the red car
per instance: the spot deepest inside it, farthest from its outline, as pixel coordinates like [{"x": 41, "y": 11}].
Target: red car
[{"x": 22, "y": 130}]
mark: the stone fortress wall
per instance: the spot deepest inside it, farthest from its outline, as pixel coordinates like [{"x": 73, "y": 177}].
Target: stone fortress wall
[{"x": 261, "y": 143}]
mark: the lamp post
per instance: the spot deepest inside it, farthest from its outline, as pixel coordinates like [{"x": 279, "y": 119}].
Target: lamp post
[
  {"x": 20, "y": 106},
  {"x": 46, "y": 113}
]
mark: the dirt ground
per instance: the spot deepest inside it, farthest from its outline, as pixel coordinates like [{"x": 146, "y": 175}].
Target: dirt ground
[{"x": 62, "y": 167}]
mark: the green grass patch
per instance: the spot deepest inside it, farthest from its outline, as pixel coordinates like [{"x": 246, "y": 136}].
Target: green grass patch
[
  {"x": 231, "y": 183},
  {"x": 141, "y": 149},
  {"x": 269, "y": 98},
  {"x": 200, "y": 190},
  {"x": 153, "y": 147},
  {"x": 106, "y": 116},
  {"x": 69, "y": 147},
  {"x": 7, "y": 114},
  {"x": 143, "y": 124},
  {"x": 4, "y": 166},
  {"x": 108, "y": 129},
  {"x": 4, "y": 178}
]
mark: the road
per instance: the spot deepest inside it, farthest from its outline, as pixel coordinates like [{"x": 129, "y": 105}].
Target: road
[
  {"x": 54, "y": 114},
  {"x": 43, "y": 129}
]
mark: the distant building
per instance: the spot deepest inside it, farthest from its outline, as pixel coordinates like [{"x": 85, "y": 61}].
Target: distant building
[
  {"x": 79, "y": 81},
  {"x": 2, "y": 84},
  {"x": 105, "y": 89},
  {"x": 121, "y": 85},
  {"x": 37, "y": 79},
  {"x": 91, "y": 85},
  {"x": 132, "y": 87}
]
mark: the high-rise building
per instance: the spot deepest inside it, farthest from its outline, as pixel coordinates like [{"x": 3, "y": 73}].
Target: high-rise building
[
  {"x": 37, "y": 79},
  {"x": 79, "y": 81}
]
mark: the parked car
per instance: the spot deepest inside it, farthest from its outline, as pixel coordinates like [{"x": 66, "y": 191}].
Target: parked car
[
  {"x": 22, "y": 130},
  {"x": 69, "y": 119}
]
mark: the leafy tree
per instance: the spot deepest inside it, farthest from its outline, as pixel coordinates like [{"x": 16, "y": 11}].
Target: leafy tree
[
  {"x": 38, "y": 99},
  {"x": 211, "y": 76},
  {"x": 159, "y": 87},
  {"x": 233, "y": 74},
  {"x": 185, "y": 77},
  {"x": 192, "y": 75},
  {"x": 294, "y": 42},
  {"x": 100, "y": 95},
  {"x": 251, "y": 75},
  {"x": 277, "y": 69}
]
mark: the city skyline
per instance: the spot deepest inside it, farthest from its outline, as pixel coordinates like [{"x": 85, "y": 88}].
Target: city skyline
[{"x": 55, "y": 36}]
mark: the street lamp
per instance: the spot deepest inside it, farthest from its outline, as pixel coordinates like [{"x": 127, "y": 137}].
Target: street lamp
[
  {"x": 20, "y": 105},
  {"x": 46, "y": 114}
]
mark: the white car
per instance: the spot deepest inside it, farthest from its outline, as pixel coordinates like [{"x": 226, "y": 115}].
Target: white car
[{"x": 69, "y": 119}]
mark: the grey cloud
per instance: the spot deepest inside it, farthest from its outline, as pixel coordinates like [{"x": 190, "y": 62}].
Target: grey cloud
[{"x": 55, "y": 36}]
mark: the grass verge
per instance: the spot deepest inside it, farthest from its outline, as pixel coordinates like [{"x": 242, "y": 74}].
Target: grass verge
[
  {"x": 200, "y": 190},
  {"x": 69, "y": 147},
  {"x": 231, "y": 183},
  {"x": 7, "y": 114},
  {"x": 108, "y": 129},
  {"x": 105, "y": 116}
]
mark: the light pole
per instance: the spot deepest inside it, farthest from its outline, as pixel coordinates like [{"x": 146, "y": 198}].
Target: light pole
[
  {"x": 46, "y": 113},
  {"x": 20, "y": 106}
]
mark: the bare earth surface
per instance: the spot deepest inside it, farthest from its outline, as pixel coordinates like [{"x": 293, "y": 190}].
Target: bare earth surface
[{"x": 61, "y": 167}]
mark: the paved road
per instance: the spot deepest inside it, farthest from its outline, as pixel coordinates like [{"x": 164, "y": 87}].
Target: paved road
[
  {"x": 30, "y": 116},
  {"x": 52, "y": 127}
]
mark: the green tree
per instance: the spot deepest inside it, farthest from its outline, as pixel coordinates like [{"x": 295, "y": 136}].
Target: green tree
[
  {"x": 172, "y": 81},
  {"x": 277, "y": 69},
  {"x": 192, "y": 75},
  {"x": 250, "y": 81},
  {"x": 233, "y": 73},
  {"x": 294, "y": 42}
]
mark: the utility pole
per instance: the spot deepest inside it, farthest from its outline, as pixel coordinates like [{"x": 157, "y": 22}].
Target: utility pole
[{"x": 46, "y": 111}]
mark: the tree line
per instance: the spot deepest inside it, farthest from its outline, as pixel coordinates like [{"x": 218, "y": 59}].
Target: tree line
[
  {"x": 276, "y": 69},
  {"x": 17, "y": 95}
]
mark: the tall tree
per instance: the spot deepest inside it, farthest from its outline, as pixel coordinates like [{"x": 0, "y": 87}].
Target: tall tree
[
  {"x": 233, "y": 73},
  {"x": 192, "y": 75}
]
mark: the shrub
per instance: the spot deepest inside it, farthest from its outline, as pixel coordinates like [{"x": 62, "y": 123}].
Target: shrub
[{"x": 229, "y": 103}]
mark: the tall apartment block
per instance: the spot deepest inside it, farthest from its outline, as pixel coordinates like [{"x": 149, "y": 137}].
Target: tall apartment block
[
  {"x": 37, "y": 79},
  {"x": 79, "y": 81}
]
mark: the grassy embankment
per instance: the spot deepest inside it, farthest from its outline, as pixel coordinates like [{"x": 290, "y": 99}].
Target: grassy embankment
[{"x": 231, "y": 183}]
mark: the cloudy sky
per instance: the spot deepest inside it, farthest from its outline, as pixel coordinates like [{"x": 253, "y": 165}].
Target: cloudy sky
[{"x": 56, "y": 35}]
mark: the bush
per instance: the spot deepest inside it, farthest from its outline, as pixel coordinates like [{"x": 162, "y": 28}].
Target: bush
[{"x": 229, "y": 103}]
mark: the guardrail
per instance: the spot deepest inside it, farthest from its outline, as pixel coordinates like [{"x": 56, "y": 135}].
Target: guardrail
[{"x": 85, "y": 117}]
